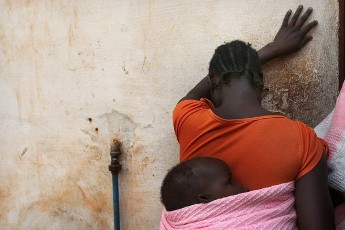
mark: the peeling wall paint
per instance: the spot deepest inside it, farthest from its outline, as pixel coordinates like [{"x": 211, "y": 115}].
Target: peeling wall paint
[{"x": 74, "y": 75}]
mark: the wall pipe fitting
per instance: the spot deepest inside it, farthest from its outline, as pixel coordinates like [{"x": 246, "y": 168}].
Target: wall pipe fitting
[{"x": 114, "y": 168}]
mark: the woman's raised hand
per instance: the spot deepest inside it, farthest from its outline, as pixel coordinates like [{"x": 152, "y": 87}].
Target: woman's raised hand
[{"x": 292, "y": 36}]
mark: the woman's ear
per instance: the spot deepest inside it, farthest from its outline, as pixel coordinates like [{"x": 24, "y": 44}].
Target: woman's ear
[{"x": 203, "y": 198}]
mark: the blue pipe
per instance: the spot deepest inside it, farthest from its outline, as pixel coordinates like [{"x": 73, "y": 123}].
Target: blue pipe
[
  {"x": 116, "y": 202},
  {"x": 114, "y": 168}
]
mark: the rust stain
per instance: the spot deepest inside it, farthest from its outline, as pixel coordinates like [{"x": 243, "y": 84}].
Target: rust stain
[
  {"x": 32, "y": 106},
  {"x": 4, "y": 197},
  {"x": 71, "y": 35},
  {"x": 135, "y": 204},
  {"x": 47, "y": 31},
  {"x": 37, "y": 63},
  {"x": 137, "y": 149},
  {"x": 27, "y": 2},
  {"x": 145, "y": 22},
  {"x": 19, "y": 104},
  {"x": 94, "y": 153},
  {"x": 146, "y": 65},
  {"x": 38, "y": 90},
  {"x": 144, "y": 163},
  {"x": 73, "y": 25},
  {"x": 2, "y": 35},
  {"x": 97, "y": 203},
  {"x": 9, "y": 4},
  {"x": 72, "y": 29},
  {"x": 28, "y": 51},
  {"x": 32, "y": 38},
  {"x": 46, "y": 28},
  {"x": 75, "y": 205},
  {"x": 7, "y": 189},
  {"x": 39, "y": 164},
  {"x": 67, "y": 203}
]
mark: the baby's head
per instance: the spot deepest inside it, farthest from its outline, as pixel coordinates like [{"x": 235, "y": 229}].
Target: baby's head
[{"x": 199, "y": 180}]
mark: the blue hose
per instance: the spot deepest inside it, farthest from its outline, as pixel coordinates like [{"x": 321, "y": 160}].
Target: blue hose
[{"x": 116, "y": 202}]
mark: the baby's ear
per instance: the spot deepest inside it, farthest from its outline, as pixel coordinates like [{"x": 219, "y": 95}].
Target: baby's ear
[{"x": 204, "y": 198}]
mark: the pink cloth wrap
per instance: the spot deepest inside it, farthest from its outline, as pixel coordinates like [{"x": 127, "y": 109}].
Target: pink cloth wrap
[
  {"x": 268, "y": 208},
  {"x": 332, "y": 130}
]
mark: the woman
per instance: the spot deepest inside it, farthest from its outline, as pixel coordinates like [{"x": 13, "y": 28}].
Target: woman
[{"x": 222, "y": 117}]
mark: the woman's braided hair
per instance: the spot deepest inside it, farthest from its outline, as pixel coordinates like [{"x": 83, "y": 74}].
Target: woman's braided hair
[{"x": 234, "y": 60}]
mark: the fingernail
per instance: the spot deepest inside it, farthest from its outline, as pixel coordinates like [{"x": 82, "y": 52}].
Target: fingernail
[
  {"x": 289, "y": 11},
  {"x": 300, "y": 6},
  {"x": 310, "y": 8},
  {"x": 316, "y": 22}
]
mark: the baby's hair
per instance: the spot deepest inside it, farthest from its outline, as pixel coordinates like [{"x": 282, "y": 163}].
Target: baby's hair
[
  {"x": 178, "y": 187},
  {"x": 233, "y": 60}
]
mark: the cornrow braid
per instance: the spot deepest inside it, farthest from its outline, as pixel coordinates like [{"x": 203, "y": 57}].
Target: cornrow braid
[{"x": 234, "y": 60}]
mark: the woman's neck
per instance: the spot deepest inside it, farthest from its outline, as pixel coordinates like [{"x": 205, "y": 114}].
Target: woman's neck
[{"x": 239, "y": 99}]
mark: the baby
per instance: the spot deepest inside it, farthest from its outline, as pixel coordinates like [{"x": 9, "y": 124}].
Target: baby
[{"x": 199, "y": 180}]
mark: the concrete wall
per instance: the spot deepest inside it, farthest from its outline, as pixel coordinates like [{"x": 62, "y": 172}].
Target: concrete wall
[{"x": 125, "y": 64}]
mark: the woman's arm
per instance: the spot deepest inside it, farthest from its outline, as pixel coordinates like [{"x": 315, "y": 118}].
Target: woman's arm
[
  {"x": 201, "y": 90},
  {"x": 313, "y": 202}
]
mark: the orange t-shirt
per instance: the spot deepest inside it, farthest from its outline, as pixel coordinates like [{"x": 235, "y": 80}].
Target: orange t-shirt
[{"x": 261, "y": 151}]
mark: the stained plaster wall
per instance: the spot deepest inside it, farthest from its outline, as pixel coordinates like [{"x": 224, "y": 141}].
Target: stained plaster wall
[{"x": 125, "y": 64}]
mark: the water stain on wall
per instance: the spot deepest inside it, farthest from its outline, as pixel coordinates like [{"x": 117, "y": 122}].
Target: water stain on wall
[
  {"x": 79, "y": 199},
  {"x": 72, "y": 28},
  {"x": 68, "y": 208},
  {"x": 82, "y": 198},
  {"x": 296, "y": 89},
  {"x": 120, "y": 126}
]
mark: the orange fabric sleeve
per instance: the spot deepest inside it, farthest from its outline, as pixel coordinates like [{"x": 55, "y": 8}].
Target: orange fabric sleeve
[
  {"x": 312, "y": 149},
  {"x": 186, "y": 108}
]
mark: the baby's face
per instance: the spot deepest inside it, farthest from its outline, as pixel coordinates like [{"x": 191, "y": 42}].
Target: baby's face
[{"x": 219, "y": 181}]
